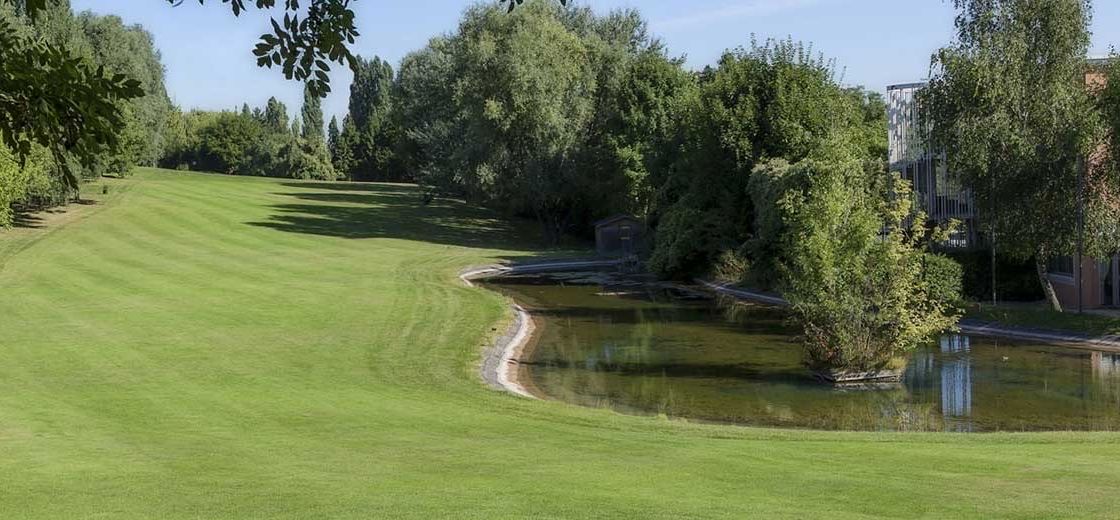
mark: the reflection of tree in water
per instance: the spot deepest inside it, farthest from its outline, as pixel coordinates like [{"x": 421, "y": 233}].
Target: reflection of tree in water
[{"x": 755, "y": 317}]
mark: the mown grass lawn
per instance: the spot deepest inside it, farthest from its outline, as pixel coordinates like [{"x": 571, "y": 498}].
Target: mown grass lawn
[{"x": 202, "y": 346}]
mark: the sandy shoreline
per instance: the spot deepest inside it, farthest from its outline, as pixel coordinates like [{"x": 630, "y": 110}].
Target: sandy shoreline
[{"x": 501, "y": 360}]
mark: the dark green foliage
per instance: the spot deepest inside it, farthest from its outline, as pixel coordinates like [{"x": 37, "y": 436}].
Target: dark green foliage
[
  {"x": 774, "y": 100},
  {"x": 1010, "y": 106},
  {"x": 429, "y": 129},
  {"x": 1016, "y": 279},
  {"x": 342, "y": 154},
  {"x": 370, "y": 92},
  {"x": 333, "y": 134},
  {"x": 514, "y": 3},
  {"x": 635, "y": 131},
  {"x": 764, "y": 248},
  {"x": 557, "y": 114},
  {"x": 239, "y": 144},
  {"x": 80, "y": 96},
  {"x": 312, "y": 117},
  {"x": 224, "y": 145},
  {"x": 306, "y": 160},
  {"x": 689, "y": 236},
  {"x": 941, "y": 279},
  {"x": 371, "y": 135},
  {"x": 131, "y": 51},
  {"x": 56, "y": 100},
  {"x": 275, "y": 116}
]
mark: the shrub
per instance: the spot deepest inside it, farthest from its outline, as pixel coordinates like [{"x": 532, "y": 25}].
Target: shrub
[
  {"x": 35, "y": 184},
  {"x": 308, "y": 160},
  {"x": 857, "y": 279},
  {"x": 688, "y": 240},
  {"x": 225, "y": 143},
  {"x": 768, "y": 182},
  {"x": 13, "y": 185},
  {"x": 942, "y": 279}
]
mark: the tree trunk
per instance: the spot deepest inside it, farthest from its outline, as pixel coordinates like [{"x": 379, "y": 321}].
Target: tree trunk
[{"x": 1047, "y": 287}]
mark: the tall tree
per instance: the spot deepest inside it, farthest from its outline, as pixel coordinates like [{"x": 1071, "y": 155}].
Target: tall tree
[
  {"x": 343, "y": 155},
  {"x": 774, "y": 99},
  {"x": 426, "y": 114},
  {"x": 370, "y": 136},
  {"x": 130, "y": 50},
  {"x": 527, "y": 94},
  {"x": 275, "y": 116},
  {"x": 332, "y": 135},
  {"x": 370, "y": 92},
  {"x": 1009, "y": 105},
  {"x": 312, "y": 117}
]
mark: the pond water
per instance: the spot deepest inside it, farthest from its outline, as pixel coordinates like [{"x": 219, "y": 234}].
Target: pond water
[{"x": 643, "y": 350}]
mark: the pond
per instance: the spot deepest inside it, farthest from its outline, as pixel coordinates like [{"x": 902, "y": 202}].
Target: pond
[{"x": 645, "y": 349}]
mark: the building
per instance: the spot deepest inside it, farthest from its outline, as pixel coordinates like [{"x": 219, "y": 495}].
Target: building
[
  {"x": 1095, "y": 279},
  {"x": 936, "y": 192},
  {"x": 942, "y": 197},
  {"x": 619, "y": 236}
]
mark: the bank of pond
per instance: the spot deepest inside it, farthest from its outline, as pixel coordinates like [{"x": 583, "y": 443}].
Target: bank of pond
[{"x": 642, "y": 348}]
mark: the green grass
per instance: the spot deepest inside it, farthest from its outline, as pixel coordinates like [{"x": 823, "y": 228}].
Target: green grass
[
  {"x": 1039, "y": 316},
  {"x": 204, "y": 346}
]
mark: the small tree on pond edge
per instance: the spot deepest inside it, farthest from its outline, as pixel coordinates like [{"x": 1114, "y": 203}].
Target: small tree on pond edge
[{"x": 857, "y": 276}]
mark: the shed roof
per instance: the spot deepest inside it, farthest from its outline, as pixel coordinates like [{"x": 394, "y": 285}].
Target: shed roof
[{"x": 611, "y": 220}]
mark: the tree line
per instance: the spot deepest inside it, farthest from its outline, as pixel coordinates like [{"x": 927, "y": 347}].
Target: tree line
[
  {"x": 566, "y": 116},
  {"x": 260, "y": 142},
  {"x": 131, "y": 129}
]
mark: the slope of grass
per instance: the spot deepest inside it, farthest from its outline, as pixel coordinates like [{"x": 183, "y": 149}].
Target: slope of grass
[{"x": 220, "y": 347}]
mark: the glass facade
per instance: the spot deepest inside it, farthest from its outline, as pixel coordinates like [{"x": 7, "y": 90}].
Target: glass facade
[{"x": 936, "y": 192}]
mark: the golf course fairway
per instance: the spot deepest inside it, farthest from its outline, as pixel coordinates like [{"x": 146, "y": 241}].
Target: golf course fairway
[{"x": 207, "y": 346}]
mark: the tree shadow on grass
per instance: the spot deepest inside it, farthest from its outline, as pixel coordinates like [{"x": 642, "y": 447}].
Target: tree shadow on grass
[
  {"x": 35, "y": 217},
  {"x": 363, "y": 211},
  {"x": 27, "y": 221}
]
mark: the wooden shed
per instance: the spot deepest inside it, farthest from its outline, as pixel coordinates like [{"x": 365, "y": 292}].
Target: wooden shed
[{"x": 618, "y": 236}]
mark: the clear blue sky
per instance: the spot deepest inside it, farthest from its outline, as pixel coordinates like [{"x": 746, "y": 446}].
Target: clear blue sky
[{"x": 877, "y": 42}]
